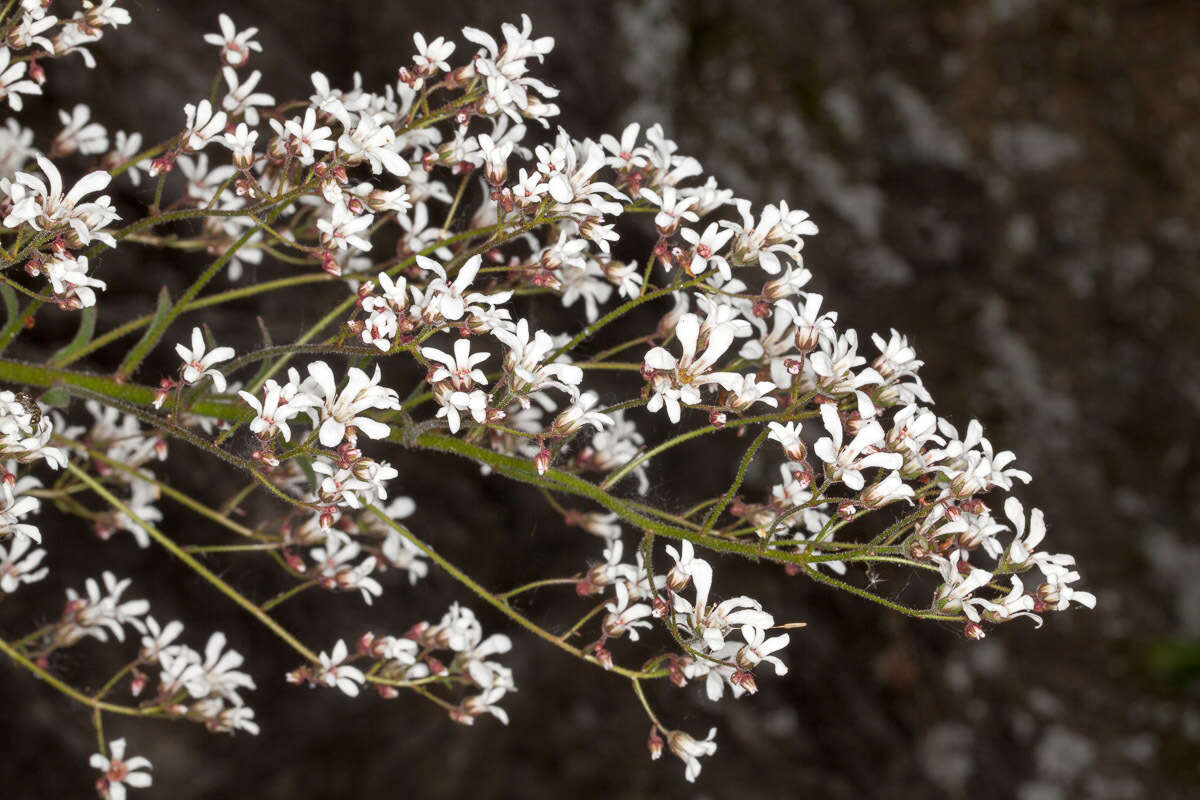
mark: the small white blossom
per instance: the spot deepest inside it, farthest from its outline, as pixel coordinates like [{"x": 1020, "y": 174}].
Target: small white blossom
[{"x": 197, "y": 362}]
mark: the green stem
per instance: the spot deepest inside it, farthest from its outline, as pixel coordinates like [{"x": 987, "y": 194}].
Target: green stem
[{"x": 169, "y": 545}]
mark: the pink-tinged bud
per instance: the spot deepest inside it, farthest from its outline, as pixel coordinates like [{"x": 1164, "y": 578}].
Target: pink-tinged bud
[
  {"x": 298, "y": 676},
  {"x": 655, "y": 743},
  {"x": 542, "y": 460},
  {"x": 659, "y": 609},
  {"x": 1049, "y": 594},
  {"x": 675, "y": 670},
  {"x": 793, "y": 365},
  {"x": 365, "y": 643},
  {"x": 417, "y": 631},
  {"x": 436, "y": 667},
  {"x": 716, "y": 419},
  {"x": 164, "y": 163},
  {"x": 546, "y": 280},
  {"x": 745, "y": 680},
  {"x": 973, "y": 630},
  {"x": 9, "y": 479},
  {"x": 355, "y": 326},
  {"x": 461, "y": 716},
  {"x": 408, "y": 77},
  {"x": 463, "y": 116},
  {"x": 846, "y": 509},
  {"x": 762, "y": 309},
  {"x": 294, "y": 562},
  {"x": 918, "y": 551},
  {"x": 387, "y": 692},
  {"x": 354, "y": 205},
  {"x": 137, "y": 683},
  {"x": 265, "y": 457},
  {"x": 791, "y": 570},
  {"x": 37, "y": 73},
  {"x": 602, "y": 655},
  {"x": 974, "y": 505},
  {"x": 330, "y": 264}
]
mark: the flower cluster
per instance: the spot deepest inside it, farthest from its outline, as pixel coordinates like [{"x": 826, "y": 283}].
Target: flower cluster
[{"x": 488, "y": 337}]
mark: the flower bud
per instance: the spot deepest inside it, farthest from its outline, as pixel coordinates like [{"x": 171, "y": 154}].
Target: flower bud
[{"x": 655, "y": 743}]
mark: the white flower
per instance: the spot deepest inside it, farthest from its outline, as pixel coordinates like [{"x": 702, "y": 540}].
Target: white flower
[
  {"x": 957, "y": 586},
  {"x": 449, "y": 300},
  {"x": 673, "y": 210},
  {"x": 373, "y": 142},
  {"x": 709, "y": 625},
  {"x": 888, "y": 490},
  {"x": 100, "y": 613},
  {"x": 333, "y": 672},
  {"x": 1021, "y": 551},
  {"x": 241, "y": 99},
  {"x": 235, "y": 46},
  {"x": 778, "y": 232},
  {"x": 510, "y": 90},
  {"x": 19, "y": 564},
  {"x": 431, "y": 57},
  {"x": 335, "y": 568},
  {"x": 581, "y": 412},
  {"x": 845, "y": 463},
  {"x": 523, "y": 362},
  {"x": 79, "y": 133},
  {"x": 279, "y": 404},
  {"x": 197, "y": 363},
  {"x": 219, "y": 672},
  {"x": 759, "y": 648},
  {"x": 625, "y": 616},
  {"x": 305, "y": 137},
  {"x": 46, "y": 208},
  {"x": 690, "y": 750},
  {"x": 119, "y": 772},
  {"x": 495, "y": 159},
  {"x": 241, "y": 143},
  {"x": 687, "y": 565},
  {"x": 11, "y": 85},
  {"x": 158, "y": 639},
  {"x": 342, "y": 410},
  {"x": 705, "y": 250},
  {"x": 789, "y": 439},
  {"x": 459, "y": 370},
  {"x": 72, "y": 286},
  {"x": 677, "y": 380},
  {"x": 203, "y": 125},
  {"x": 1057, "y": 592},
  {"x": 746, "y": 390},
  {"x": 473, "y": 402},
  {"x": 342, "y": 229},
  {"x": 1014, "y": 604}
]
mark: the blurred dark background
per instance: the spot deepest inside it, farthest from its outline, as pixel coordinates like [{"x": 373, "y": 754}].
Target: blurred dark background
[{"x": 1013, "y": 183}]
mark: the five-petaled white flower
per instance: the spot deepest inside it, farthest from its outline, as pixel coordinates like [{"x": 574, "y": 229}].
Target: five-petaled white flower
[
  {"x": 120, "y": 772},
  {"x": 235, "y": 46},
  {"x": 197, "y": 363},
  {"x": 334, "y": 672},
  {"x": 342, "y": 410}
]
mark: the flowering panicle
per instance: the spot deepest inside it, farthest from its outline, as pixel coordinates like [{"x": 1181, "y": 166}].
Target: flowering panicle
[{"x": 441, "y": 224}]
